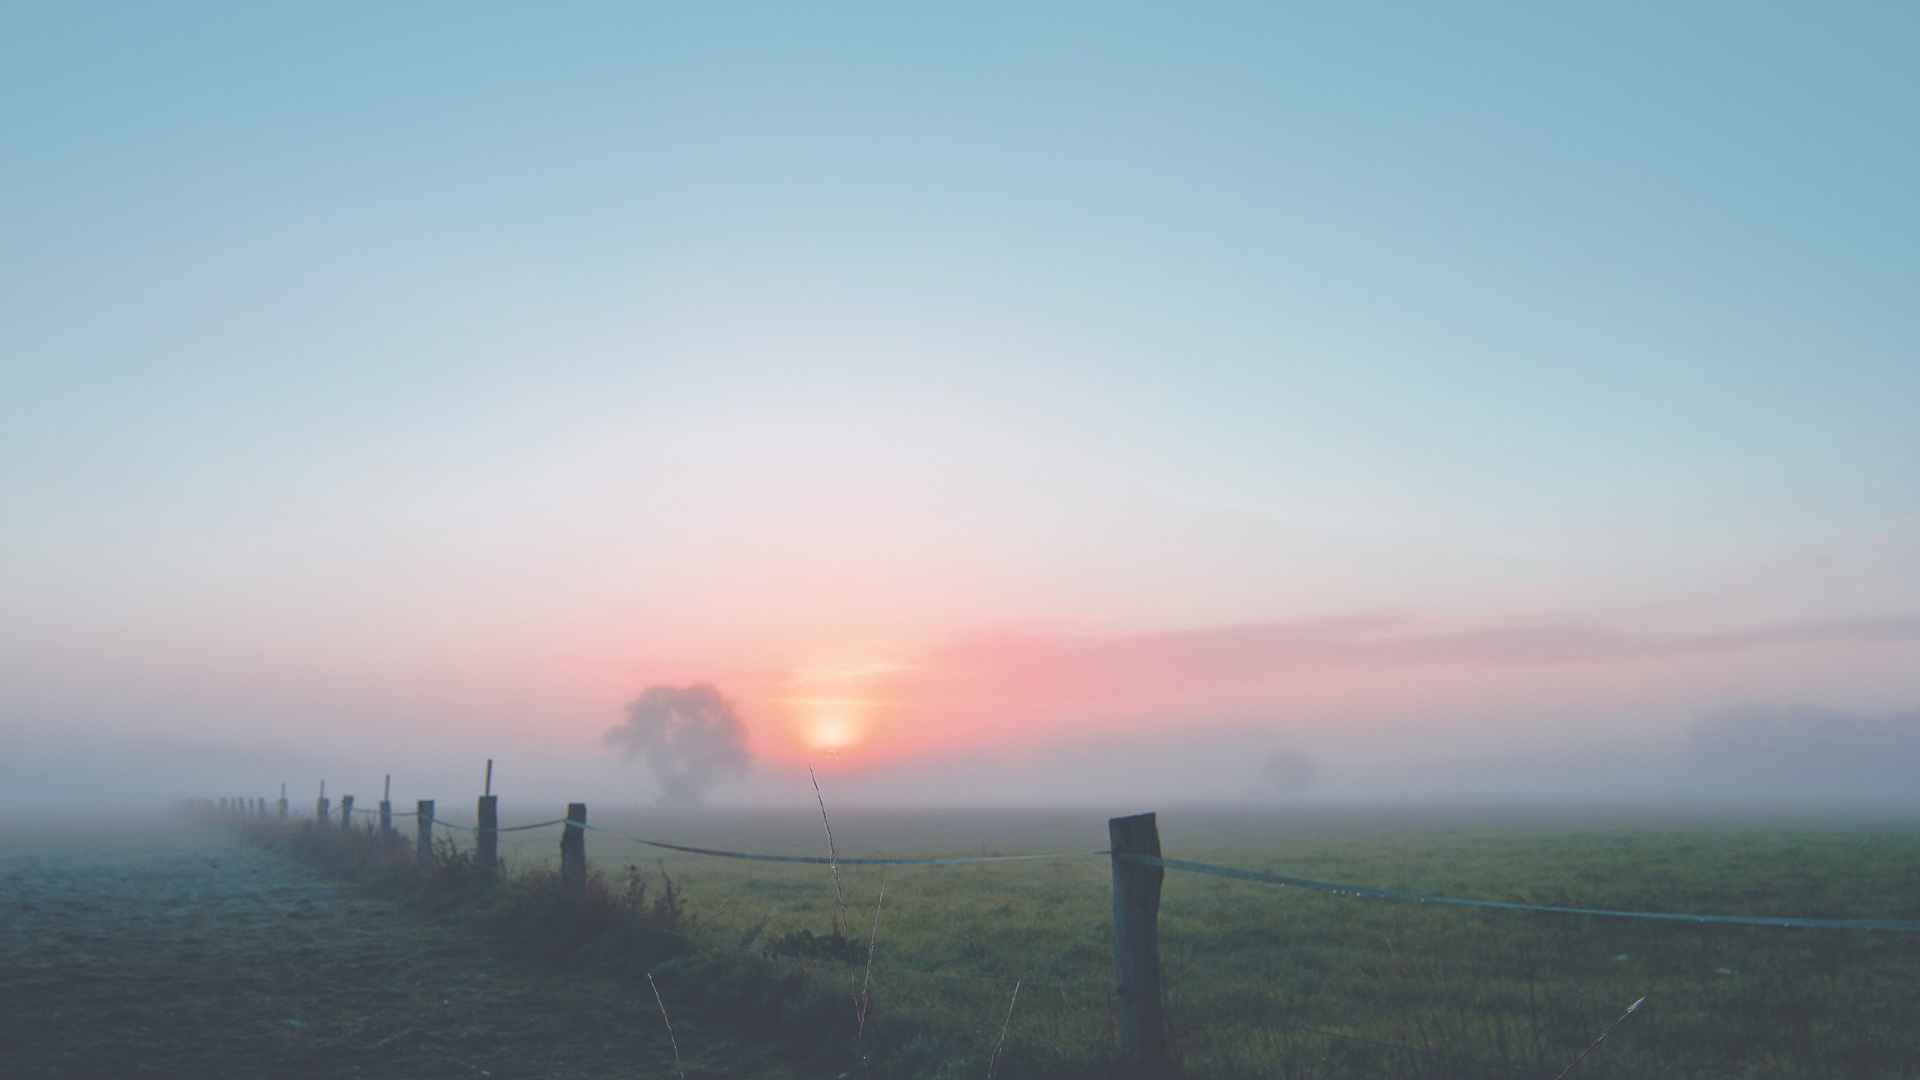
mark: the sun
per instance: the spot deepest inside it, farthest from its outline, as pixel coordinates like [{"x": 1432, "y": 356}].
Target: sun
[
  {"x": 831, "y": 725},
  {"x": 836, "y": 700},
  {"x": 830, "y": 735}
]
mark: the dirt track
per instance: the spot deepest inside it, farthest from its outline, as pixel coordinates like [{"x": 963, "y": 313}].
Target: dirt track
[{"x": 185, "y": 954}]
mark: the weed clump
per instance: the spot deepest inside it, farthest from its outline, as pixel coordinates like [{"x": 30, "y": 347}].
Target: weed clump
[{"x": 629, "y": 925}]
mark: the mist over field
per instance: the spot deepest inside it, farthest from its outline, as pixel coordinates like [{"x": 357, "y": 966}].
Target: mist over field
[{"x": 1802, "y": 759}]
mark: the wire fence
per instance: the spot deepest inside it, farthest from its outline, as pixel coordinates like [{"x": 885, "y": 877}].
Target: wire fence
[
  {"x": 1101, "y": 990},
  {"x": 807, "y": 860},
  {"x": 1258, "y": 877},
  {"x": 1368, "y": 892}
]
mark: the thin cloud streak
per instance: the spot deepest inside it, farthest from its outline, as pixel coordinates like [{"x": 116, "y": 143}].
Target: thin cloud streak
[
  {"x": 1372, "y": 641},
  {"x": 1368, "y": 671}
]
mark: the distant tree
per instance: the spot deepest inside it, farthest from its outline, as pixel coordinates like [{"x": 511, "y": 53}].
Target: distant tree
[
  {"x": 1291, "y": 770},
  {"x": 690, "y": 736}
]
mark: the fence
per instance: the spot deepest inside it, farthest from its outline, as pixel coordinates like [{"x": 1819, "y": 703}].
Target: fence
[{"x": 1138, "y": 870}]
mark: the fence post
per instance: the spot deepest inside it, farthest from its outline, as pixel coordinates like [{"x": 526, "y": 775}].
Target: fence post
[
  {"x": 386, "y": 808},
  {"x": 346, "y": 813},
  {"x": 573, "y": 851},
  {"x": 486, "y": 842},
  {"x": 423, "y": 832},
  {"x": 1136, "y": 942}
]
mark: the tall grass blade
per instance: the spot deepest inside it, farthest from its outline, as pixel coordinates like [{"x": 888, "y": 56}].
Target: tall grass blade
[
  {"x": 873, "y": 939},
  {"x": 1575, "y": 1063},
  {"x": 675, "y": 1043},
  {"x": 1007, "y": 1023},
  {"x": 833, "y": 861}
]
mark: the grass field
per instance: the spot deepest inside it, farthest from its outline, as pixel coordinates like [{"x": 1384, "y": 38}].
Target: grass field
[
  {"x": 190, "y": 953},
  {"x": 1266, "y": 981}
]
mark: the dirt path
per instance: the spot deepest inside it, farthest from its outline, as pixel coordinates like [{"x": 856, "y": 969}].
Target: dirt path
[{"x": 185, "y": 954}]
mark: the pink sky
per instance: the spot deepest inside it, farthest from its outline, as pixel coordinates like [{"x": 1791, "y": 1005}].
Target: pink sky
[{"x": 949, "y": 388}]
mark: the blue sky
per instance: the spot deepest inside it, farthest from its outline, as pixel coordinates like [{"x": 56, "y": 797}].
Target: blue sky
[{"x": 349, "y": 340}]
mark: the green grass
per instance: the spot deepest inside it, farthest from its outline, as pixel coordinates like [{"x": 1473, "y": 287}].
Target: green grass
[{"x": 1265, "y": 981}]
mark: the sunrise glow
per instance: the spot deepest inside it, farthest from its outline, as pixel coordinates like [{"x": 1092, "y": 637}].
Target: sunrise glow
[
  {"x": 830, "y": 724},
  {"x": 831, "y": 736}
]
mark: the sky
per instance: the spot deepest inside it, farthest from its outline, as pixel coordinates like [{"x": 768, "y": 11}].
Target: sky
[{"x": 969, "y": 396}]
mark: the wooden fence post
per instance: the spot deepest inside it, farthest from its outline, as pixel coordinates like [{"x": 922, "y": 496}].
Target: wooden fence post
[
  {"x": 386, "y": 808},
  {"x": 1136, "y": 943},
  {"x": 573, "y": 851},
  {"x": 486, "y": 842},
  {"x": 346, "y": 813},
  {"x": 423, "y": 832}
]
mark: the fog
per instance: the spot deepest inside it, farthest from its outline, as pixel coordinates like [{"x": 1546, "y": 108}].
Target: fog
[{"x": 1800, "y": 758}]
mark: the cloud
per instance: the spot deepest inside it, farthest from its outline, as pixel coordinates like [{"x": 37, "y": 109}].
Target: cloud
[
  {"x": 1394, "y": 640},
  {"x": 1366, "y": 672},
  {"x": 1259, "y": 650}
]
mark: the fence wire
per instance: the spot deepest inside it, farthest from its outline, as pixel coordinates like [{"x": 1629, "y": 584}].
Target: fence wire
[
  {"x": 1368, "y": 892},
  {"x": 1258, "y": 877},
  {"x": 824, "y": 860},
  {"x": 500, "y": 829}
]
